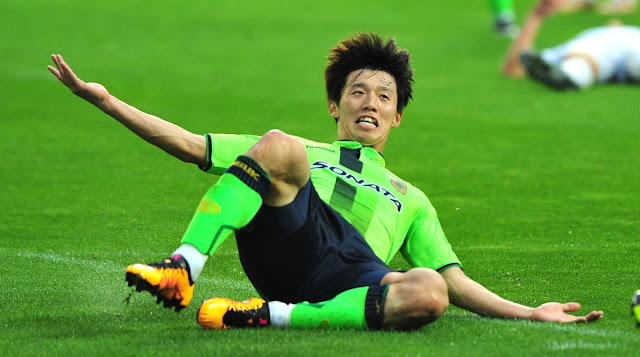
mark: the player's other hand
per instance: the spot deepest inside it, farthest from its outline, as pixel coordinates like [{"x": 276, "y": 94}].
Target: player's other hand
[
  {"x": 557, "y": 312},
  {"x": 548, "y": 7},
  {"x": 94, "y": 93}
]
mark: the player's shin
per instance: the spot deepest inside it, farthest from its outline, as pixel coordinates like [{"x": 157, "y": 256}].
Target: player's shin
[
  {"x": 358, "y": 308},
  {"x": 229, "y": 205}
]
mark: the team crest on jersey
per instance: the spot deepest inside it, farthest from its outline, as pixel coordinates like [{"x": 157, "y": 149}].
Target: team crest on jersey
[
  {"x": 399, "y": 185},
  {"x": 318, "y": 165}
]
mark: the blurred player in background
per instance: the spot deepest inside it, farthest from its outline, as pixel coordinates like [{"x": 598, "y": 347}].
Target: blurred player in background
[
  {"x": 598, "y": 55},
  {"x": 504, "y": 18},
  {"x": 605, "y": 7},
  {"x": 316, "y": 223}
]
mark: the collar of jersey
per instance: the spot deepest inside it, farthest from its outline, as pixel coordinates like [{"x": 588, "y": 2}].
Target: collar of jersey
[{"x": 369, "y": 153}]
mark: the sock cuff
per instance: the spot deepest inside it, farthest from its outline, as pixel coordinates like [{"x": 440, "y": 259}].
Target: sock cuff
[
  {"x": 374, "y": 306},
  {"x": 250, "y": 172},
  {"x": 194, "y": 258},
  {"x": 280, "y": 314}
]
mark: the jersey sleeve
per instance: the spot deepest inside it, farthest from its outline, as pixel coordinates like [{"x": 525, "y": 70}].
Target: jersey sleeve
[
  {"x": 223, "y": 149},
  {"x": 426, "y": 245}
]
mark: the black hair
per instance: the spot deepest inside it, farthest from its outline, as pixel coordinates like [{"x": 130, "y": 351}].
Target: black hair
[{"x": 369, "y": 51}]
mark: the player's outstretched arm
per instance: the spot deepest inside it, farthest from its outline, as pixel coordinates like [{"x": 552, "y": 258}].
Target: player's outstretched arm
[
  {"x": 183, "y": 144},
  {"x": 470, "y": 295},
  {"x": 511, "y": 66}
]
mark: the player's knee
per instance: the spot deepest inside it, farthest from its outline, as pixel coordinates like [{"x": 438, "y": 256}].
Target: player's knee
[
  {"x": 279, "y": 154},
  {"x": 270, "y": 145},
  {"x": 424, "y": 299},
  {"x": 431, "y": 287}
]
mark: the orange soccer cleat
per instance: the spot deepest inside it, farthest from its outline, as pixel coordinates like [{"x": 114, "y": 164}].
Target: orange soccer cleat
[
  {"x": 169, "y": 280},
  {"x": 222, "y": 313}
]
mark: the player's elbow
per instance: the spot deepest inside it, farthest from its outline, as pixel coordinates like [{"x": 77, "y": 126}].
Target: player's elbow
[{"x": 189, "y": 149}]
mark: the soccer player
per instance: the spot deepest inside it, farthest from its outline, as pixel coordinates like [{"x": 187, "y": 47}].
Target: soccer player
[
  {"x": 598, "y": 55},
  {"x": 504, "y": 18},
  {"x": 316, "y": 223},
  {"x": 604, "y": 7}
]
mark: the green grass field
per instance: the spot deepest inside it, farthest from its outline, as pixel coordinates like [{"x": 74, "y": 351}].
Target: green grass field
[{"x": 537, "y": 191}]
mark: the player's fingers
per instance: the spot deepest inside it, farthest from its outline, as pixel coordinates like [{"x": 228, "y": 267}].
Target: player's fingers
[
  {"x": 63, "y": 67},
  {"x": 69, "y": 72},
  {"x": 578, "y": 319},
  {"x": 54, "y": 71},
  {"x": 57, "y": 59},
  {"x": 571, "y": 306},
  {"x": 594, "y": 315}
]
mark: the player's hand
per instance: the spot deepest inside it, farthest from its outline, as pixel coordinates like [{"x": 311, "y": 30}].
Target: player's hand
[
  {"x": 557, "y": 312},
  {"x": 94, "y": 93},
  {"x": 547, "y": 7}
]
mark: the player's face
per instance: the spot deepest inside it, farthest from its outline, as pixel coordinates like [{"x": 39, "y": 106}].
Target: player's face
[{"x": 367, "y": 109}]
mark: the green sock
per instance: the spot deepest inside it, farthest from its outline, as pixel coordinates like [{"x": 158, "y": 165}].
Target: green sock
[
  {"x": 359, "y": 308},
  {"x": 229, "y": 205},
  {"x": 501, "y": 8}
]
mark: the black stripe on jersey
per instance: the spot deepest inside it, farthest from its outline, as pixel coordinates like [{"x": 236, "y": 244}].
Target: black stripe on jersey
[
  {"x": 343, "y": 194},
  {"x": 350, "y": 158}
]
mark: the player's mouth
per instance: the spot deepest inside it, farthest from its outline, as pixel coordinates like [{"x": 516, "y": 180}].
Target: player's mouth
[{"x": 367, "y": 122}]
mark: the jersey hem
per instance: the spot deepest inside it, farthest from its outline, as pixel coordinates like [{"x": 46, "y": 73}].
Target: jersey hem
[{"x": 209, "y": 150}]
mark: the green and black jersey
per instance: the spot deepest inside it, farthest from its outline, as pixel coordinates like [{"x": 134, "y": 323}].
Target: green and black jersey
[{"x": 391, "y": 214}]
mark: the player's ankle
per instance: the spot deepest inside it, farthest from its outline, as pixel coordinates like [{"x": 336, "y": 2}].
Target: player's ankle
[{"x": 194, "y": 258}]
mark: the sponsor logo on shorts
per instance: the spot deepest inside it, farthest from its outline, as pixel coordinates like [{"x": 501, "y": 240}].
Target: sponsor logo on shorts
[{"x": 321, "y": 165}]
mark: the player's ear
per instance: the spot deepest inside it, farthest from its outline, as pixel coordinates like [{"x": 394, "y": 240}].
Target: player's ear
[
  {"x": 333, "y": 109},
  {"x": 396, "y": 121}
]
